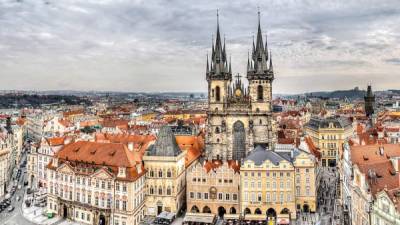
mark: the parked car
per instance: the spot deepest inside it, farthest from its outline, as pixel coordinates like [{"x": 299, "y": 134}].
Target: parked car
[{"x": 10, "y": 209}]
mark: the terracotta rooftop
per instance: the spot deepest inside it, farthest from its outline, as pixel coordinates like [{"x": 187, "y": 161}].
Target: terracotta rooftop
[{"x": 98, "y": 155}]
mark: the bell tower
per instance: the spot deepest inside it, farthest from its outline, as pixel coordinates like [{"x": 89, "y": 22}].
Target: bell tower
[
  {"x": 219, "y": 74},
  {"x": 260, "y": 75}
]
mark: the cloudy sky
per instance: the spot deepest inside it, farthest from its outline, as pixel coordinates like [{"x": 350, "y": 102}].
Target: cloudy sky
[{"x": 150, "y": 45}]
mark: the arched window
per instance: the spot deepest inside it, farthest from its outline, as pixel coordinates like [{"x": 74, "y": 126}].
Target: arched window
[
  {"x": 160, "y": 173},
  {"x": 160, "y": 190},
  {"x": 217, "y": 130},
  {"x": 169, "y": 174},
  {"x": 151, "y": 173},
  {"x": 217, "y": 94},
  {"x": 151, "y": 190},
  {"x": 260, "y": 94},
  {"x": 260, "y": 121},
  {"x": 239, "y": 141},
  {"x": 212, "y": 93},
  {"x": 168, "y": 191}
]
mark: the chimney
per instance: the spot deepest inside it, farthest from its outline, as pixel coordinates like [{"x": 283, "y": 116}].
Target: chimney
[
  {"x": 138, "y": 167},
  {"x": 381, "y": 150},
  {"x": 130, "y": 146}
]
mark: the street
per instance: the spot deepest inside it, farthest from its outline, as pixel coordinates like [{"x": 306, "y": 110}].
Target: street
[
  {"x": 15, "y": 217},
  {"x": 327, "y": 196}
]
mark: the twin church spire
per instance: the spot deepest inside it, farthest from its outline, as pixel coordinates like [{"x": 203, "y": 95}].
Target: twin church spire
[
  {"x": 259, "y": 66},
  {"x": 219, "y": 68}
]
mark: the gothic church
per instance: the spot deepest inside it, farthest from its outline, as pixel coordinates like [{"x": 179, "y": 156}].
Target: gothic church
[{"x": 239, "y": 117}]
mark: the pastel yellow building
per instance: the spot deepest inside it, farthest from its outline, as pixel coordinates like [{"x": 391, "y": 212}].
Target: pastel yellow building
[
  {"x": 276, "y": 184},
  {"x": 329, "y": 134}
]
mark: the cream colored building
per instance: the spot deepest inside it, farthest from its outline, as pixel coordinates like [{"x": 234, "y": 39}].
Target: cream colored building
[
  {"x": 96, "y": 183},
  {"x": 165, "y": 177},
  {"x": 277, "y": 184},
  {"x": 267, "y": 186},
  {"x": 4, "y": 178},
  {"x": 360, "y": 198},
  {"x": 213, "y": 187},
  {"x": 329, "y": 134},
  {"x": 166, "y": 162}
]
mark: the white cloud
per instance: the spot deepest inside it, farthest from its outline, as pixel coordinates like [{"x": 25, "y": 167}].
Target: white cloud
[{"x": 161, "y": 45}]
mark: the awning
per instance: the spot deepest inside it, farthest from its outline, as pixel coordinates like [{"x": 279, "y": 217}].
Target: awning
[
  {"x": 199, "y": 217},
  {"x": 231, "y": 216},
  {"x": 282, "y": 221},
  {"x": 255, "y": 217}
]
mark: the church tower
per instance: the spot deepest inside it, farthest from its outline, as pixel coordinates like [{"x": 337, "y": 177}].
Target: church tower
[
  {"x": 238, "y": 117},
  {"x": 369, "y": 100},
  {"x": 260, "y": 75},
  {"x": 219, "y": 74}
]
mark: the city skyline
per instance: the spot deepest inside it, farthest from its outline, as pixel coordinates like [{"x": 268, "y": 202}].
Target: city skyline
[{"x": 125, "y": 46}]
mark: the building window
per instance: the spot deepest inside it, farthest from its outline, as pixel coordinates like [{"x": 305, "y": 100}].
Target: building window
[
  {"x": 260, "y": 92},
  {"x": 234, "y": 197},
  {"x": 227, "y": 197},
  {"x": 205, "y": 195},
  {"x": 124, "y": 205},
  {"x": 198, "y": 195},
  {"x": 191, "y": 195},
  {"x": 217, "y": 94},
  {"x": 160, "y": 173},
  {"x": 168, "y": 191},
  {"x": 151, "y": 190},
  {"x": 117, "y": 204},
  {"x": 259, "y": 198},
  {"x": 169, "y": 174}
]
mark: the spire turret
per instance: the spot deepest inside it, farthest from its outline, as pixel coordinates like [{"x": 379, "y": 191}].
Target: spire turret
[
  {"x": 259, "y": 59},
  {"x": 219, "y": 68},
  {"x": 208, "y": 68}
]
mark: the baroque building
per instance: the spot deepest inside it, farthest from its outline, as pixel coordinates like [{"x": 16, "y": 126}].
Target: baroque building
[
  {"x": 96, "y": 183},
  {"x": 239, "y": 118}
]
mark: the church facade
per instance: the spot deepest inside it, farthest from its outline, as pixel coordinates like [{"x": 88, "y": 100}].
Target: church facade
[{"x": 239, "y": 117}]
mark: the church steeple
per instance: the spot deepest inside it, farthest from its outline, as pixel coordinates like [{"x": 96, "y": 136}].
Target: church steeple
[
  {"x": 219, "y": 68},
  {"x": 259, "y": 58},
  {"x": 369, "y": 100}
]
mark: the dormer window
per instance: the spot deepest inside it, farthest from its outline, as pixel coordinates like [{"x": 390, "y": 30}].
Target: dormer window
[
  {"x": 139, "y": 168},
  {"x": 121, "y": 172}
]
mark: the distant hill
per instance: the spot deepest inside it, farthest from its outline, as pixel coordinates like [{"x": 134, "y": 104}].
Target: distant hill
[{"x": 350, "y": 94}]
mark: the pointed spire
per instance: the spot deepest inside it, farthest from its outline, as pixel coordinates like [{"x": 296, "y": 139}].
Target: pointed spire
[
  {"x": 270, "y": 61},
  {"x": 259, "y": 43},
  {"x": 254, "y": 48},
  {"x": 266, "y": 47},
  {"x": 208, "y": 68},
  {"x": 223, "y": 51},
  {"x": 230, "y": 64},
  {"x": 248, "y": 60}
]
